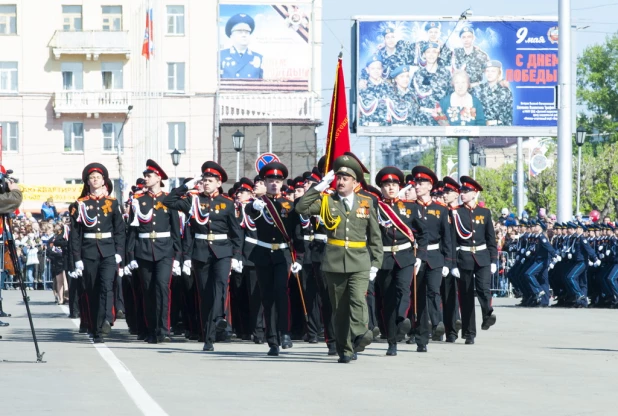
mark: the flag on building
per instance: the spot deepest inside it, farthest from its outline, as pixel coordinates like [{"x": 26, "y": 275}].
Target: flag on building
[
  {"x": 148, "y": 45},
  {"x": 338, "y": 138}
]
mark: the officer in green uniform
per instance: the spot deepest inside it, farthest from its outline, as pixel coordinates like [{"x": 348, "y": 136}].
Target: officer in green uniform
[{"x": 353, "y": 255}]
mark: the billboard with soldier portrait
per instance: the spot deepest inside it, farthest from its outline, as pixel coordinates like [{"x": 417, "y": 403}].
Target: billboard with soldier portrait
[
  {"x": 458, "y": 77},
  {"x": 265, "y": 47}
]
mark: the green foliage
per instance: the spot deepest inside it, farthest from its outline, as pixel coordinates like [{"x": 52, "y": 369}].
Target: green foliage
[
  {"x": 428, "y": 158},
  {"x": 498, "y": 188}
]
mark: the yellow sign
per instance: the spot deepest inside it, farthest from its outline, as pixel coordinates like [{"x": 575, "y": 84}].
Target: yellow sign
[{"x": 64, "y": 193}]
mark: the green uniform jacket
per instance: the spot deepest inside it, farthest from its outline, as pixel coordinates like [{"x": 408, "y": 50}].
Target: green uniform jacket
[{"x": 361, "y": 224}]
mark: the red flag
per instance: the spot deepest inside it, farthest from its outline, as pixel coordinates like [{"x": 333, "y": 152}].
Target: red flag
[
  {"x": 338, "y": 139},
  {"x": 148, "y": 45}
]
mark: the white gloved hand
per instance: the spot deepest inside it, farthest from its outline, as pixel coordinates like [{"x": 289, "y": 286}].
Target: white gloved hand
[
  {"x": 296, "y": 267},
  {"x": 597, "y": 263},
  {"x": 607, "y": 253},
  {"x": 569, "y": 256},
  {"x": 417, "y": 264},
  {"x": 127, "y": 270},
  {"x": 118, "y": 259},
  {"x": 237, "y": 266},
  {"x": 191, "y": 184},
  {"x": 259, "y": 205},
  {"x": 133, "y": 265},
  {"x": 186, "y": 267},
  {"x": 517, "y": 258},
  {"x": 523, "y": 250},
  {"x": 601, "y": 256},
  {"x": 325, "y": 182},
  {"x": 551, "y": 266},
  {"x": 402, "y": 193},
  {"x": 493, "y": 268},
  {"x": 527, "y": 253},
  {"x": 176, "y": 268},
  {"x": 120, "y": 272},
  {"x": 445, "y": 271},
  {"x": 73, "y": 275},
  {"x": 590, "y": 263},
  {"x": 455, "y": 272},
  {"x": 79, "y": 265},
  {"x": 558, "y": 258},
  {"x": 373, "y": 273},
  {"x": 600, "y": 248},
  {"x": 523, "y": 261}
]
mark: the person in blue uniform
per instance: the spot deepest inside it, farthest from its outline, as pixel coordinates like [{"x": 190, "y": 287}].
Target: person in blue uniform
[
  {"x": 543, "y": 255},
  {"x": 238, "y": 61},
  {"x": 153, "y": 245}
]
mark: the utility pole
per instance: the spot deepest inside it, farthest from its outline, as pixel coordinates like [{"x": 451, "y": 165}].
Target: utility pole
[{"x": 119, "y": 152}]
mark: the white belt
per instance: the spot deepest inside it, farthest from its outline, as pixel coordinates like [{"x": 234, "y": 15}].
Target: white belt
[
  {"x": 154, "y": 235},
  {"x": 266, "y": 245},
  {"x": 211, "y": 237},
  {"x": 98, "y": 236},
  {"x": 308, "y": 237},
  {"x": 321, "y": 237},
  {"x": 394, "y": 249},
  {"x": 473, "y": 249},
  {"x": 433, "y": 247}
]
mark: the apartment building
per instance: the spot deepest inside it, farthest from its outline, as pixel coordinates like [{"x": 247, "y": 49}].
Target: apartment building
[{"x": 76, "y": 87}]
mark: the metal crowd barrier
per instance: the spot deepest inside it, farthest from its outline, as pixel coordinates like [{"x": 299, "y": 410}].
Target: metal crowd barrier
[{"x": 500, "y": 285}]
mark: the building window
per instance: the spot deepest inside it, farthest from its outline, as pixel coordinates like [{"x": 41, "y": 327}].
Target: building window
[
  {"x": 112, "y": 75},
  {"x": 74, "y": 181},
  {"x": 10, "y": 136},
  {"x": 72, "y": 75},
  {"x": 112, "y": 18},
  {"x": 175, "y": 20},
  {"x": 8, "y": 19},
  {"x": 176, "y": 76},
  {"x": 111, "y": 138},
  {"x": 73, "y": 137},
  {"x": 176, "y": 138},
  {"x": 8, "y": 76},
  {"x": 71, "y": 18}
]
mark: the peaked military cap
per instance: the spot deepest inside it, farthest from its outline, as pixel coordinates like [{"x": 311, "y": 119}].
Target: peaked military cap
[
  {"x": 348, "y": 165},
  {"x": 467, "y": 183},
  {"x": 389, "y": 174},
  {"x": 450, "y": 184},
  {"x": 153, "y": 167},
  {"x": 422, "y": 173},
  {"x": 274, "y": 170},
  {"x": 94, "y": 167},
  {"x": 212, "y": 169},
  {"x": 237, "y": 19}
]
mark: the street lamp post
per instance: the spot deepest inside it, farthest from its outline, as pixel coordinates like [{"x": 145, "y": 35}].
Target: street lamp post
[
  {"x": 176, "y": 161},
  {"x": 475, "y": 157},
  {"x": 580, "y": 136},
  {"x": 237, "y": 141}
]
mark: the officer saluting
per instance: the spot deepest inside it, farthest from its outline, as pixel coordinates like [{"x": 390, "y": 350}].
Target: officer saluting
[
  {"x": 98, "y": 241},
  {"x": 153, "y": 243},
  {"x": 216, "y": 247},
  {"x": 351, "y": 223},
  {"x": 476, "y": 257},
  {"x": 273, "y": 254}
]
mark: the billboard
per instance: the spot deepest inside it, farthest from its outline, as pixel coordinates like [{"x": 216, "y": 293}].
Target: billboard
[
  {"x": 430, "y": 76},
  {"x": 264, "y": 47}
]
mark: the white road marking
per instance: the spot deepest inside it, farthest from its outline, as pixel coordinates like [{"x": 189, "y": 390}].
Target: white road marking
[{"x": 144, "y": 402}]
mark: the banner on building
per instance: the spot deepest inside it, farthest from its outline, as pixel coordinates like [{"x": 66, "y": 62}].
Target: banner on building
[
  {"x": 41, "y": 193},
  {"x": 431, "y": 76},
  {"x": 265, "y": 47}
]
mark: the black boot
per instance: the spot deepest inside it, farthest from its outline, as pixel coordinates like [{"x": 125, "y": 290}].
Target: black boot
[{"x": 2, "y": 313}]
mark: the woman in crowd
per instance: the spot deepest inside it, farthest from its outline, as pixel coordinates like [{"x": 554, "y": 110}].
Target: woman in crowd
[{"x": 460, "y": 108}]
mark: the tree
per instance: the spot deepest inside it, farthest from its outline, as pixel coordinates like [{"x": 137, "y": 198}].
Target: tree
[{"x": 497, "y": 188}]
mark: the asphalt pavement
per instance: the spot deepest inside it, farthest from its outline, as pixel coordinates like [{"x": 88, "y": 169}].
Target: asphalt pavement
[{"x": 532, "y": 362}]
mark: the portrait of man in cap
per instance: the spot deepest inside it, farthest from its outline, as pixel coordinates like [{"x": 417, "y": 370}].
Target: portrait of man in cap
[{"x": 239, "y": 61}]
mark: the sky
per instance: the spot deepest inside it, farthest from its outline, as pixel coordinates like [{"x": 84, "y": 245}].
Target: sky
[{"x": 600, "y": 15}]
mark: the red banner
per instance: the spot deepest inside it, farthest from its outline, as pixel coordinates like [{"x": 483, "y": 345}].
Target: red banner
[{"x": 338, "y": 139}]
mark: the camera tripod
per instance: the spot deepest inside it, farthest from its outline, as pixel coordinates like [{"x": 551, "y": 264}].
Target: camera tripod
[{"x": 7, "y": 236}]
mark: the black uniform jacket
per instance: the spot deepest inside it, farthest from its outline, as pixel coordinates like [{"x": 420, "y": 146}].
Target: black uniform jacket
[
  {"x": 475, "y": 228},
  {"x": 391, "y": 236},
  {"x": 431, "y": 222}
]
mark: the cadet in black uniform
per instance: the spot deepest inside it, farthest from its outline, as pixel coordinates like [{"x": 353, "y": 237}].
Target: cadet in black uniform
[
  {"x": 98, "y": 244},
  {"x": 476, "y": 258},
  {"x": 216, "y": 244},
  {"x": 395, "y": 275},
  {"x": 451, "y": 317},
  {"x": 272, "y": 255},
  {"x": 153, "y": 244},
  {"x": 433, "y": 256}
]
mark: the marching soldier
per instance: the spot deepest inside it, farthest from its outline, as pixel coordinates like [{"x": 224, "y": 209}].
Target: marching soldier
[
  {"x": 353, "y": 254},
  {"x": 153, "y": 244},
  {"x": 496, "y": 96},
  {"x": 470, "y": 58},
  {"x": 216, "y": 245},
  {"x": 433, "y": 257},
  {"x": 98, "y": 244},
  {"x": 476, "y": 258},
  {"x": 451, "y": 317},
  {"x": 274, "y": 254},
  {"x": 395, "y": 275}
]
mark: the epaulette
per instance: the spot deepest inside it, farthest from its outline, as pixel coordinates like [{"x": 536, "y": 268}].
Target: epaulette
[
  {"x": 226, "y": 197},
  {"x": 364, "y": 196},
  {"x": 110, "y": 197},
  {"x": 440, "y": 203},
  {"x": 86, "y": 198},
  {"x": 138, "y": 195}
]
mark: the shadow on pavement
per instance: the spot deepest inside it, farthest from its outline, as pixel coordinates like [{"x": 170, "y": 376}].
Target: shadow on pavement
[{"x": 582, "y": 349}]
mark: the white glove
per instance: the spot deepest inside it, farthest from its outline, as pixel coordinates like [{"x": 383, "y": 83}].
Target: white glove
[
  {"x": 523, "y": 250},
  {"x": 493, "y": 268},
  {"x": 79, "y": 265},
  {"x": 127, "y": 270},
  {"x": 118, "y": 259},
  {"x": 517, "y": 258},
  {"x": 569, "y": 256},
  {"x": 600, "y": 248},
  {"x": 191, "y": 184},
  {"x": 417, "y": 264},
  {"x": 402, "y": 193},
  {"x": 597, "y": 263},
  {"x": 259, "y": 205},
  {"x": 455, "y": 272},
  {"x": 133, "y": 265},
  {"x": 523, "y": 261},
  {"x": 120, "y": 272},
  {"x": 558, "y": 258},
  {"x": 325, "y": 183},
  {"x": 607, "y": 253},
  {"x": 551, "y": 266},
  {"x": 601, "y": 256},
  {"x": 176, "y": 268},
  {"x": 372, "y": 273},
  {"x": 590, "y": 263},
  {"x": 527, "y": 253},
  {"x": 296, "y": 267},
  {"x": 73, "y": 275},
  {"x": 186, "y": 267},
  {"x": 237, "y": 265},
  {"x": 444, "y": 271}
]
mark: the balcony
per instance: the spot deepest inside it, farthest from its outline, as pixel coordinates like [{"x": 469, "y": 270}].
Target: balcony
[
  {"x": 91, "y": 43},
  {"x": 293, "y": 106},
  {"x": 92, "y": 102}
]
